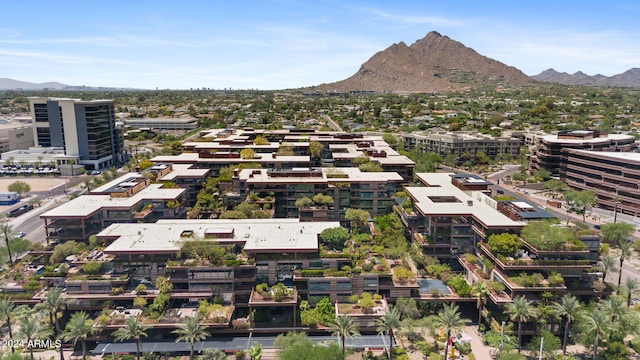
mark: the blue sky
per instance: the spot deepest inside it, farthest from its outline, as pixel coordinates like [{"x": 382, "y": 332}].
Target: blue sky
[{"x": 283, "y": 44}]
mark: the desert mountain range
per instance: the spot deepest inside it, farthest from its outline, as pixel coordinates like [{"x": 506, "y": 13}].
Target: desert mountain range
[
  {"x": 434, "y": 63},
  {"x": 437, "y": 63}
]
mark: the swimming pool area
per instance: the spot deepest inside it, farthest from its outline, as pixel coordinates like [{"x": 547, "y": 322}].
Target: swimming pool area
[{"x": 428, "y": 285}]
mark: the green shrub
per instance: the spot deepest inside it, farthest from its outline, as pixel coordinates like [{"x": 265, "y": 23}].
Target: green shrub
[{"x": 459, "y": 285}]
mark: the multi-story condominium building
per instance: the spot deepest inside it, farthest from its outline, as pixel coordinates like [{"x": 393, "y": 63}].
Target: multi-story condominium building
[
  {"x": 252, "y": 252},
  {"x": 462, "y": 143},
  {"x": 348, "y": 188},
  {"x": 186, "y": 176},
  {"x": 280, "y": 149},
  {"x": 539, "y": 266},
  {"x": 450, "y": 214},
  {"x": 162, "y": 123},
  {"x": 129, "y": 198},
  {"x": 612, "y": 176},
  {"x": 86, "y": 129},
  {"x": 547, "y": 154}
]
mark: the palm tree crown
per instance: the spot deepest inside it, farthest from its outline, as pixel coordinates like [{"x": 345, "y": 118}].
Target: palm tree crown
[
  {"x": 191, "y": 331},
  {"x": 449, "y": 320},
  {"x": 567, "y": 308},
  {"x": 133, "y": 329},
  {"x": 79, "y": 327},
  {"x": 387, "y": 324},
  {"x": 7, "y": 309},
  {"x": 480, "y": 290},
  {"x": 343, "y": 327},
  {"x": 520, "y": 310},
  {"x": 597, "y": 324},
  {"x": 630, "y": 288},
  {"x": 31, "y": 328}
]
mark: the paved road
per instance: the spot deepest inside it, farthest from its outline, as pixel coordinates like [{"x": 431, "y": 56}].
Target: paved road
[{"x": 332, "y": 124}]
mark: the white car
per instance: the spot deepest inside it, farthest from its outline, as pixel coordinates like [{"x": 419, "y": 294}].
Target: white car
[{"x": 21, "y": 234}]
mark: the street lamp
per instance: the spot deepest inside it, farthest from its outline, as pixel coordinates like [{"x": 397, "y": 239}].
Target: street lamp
[{"x": 501, "y": 337}]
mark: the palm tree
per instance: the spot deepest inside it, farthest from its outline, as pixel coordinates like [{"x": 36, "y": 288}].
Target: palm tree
[
  {"x": 191, "y": 331},
  {"x": 133, "y": 329},
  {"x": 614, "y": 307},
  {"x": 449, "y": 319},
  {"x": 630, "y": 288},
  {"x": 54, "y": 302},
  {"x": 520, "y": 310},
  {"x": 255, "y": 352},
  {"x": 7, "y": 309},
  {"x": 597, "y": 324},
  {"x": 480, "y": 290},
  {"x": 343, "y": 327},
  {"x": 79, "y": 327},
  {"x": 567, "y": 308},
  {"x": 8, "y": 233},
  {"x": 625, "y": 253},
  {"x": 387, "y": 324},
  {"x": 607, "y": 264},
  {"x": 31, "y": 328}
]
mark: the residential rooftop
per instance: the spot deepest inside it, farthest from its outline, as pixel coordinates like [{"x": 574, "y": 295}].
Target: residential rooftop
[
  {"x": 315, "y": 175},
  {"x": 441, "y": 198},
  {"x": 257, "y": 235}
]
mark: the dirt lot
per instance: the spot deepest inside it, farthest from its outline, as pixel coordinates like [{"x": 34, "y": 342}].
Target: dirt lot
[{"x": 37, "y": 184}]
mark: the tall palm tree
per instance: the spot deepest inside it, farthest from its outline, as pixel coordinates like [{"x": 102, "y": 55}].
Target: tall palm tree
[
  {"x": 615, "y": 307},
  {"x": 133, "y": 329},
  {"x": 255, "y": 352},
  {"x": 520, "y": 310},
  {"x": 630, "y": 288},
  {"x": 597, "y": 323},
  {"x": 343, "y": 327},
  {"x": 387, "y": 324},
  {"x": 52, "y": 304},
  {"x": 79, "y": 327},
  {"x": 625, "y": 253},
  {"x": 480, "y": 290},
  {"x": 8, "y": 233},
  {"x": 191, "y": 331},
  {"x": 31, "y": 328},
  {"x": 449, "y": 319},
  {"x": 568, "y": 308},
  {"x": 7, "y": 309},
  {"x": 607, "y": 264}
]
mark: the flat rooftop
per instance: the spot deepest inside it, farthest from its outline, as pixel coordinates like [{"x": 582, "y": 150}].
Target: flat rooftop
[
  {"x": 620, "y": 156},
  {"x": 315, "y": 175},
  {"x": 184, "y": 171},
  {"x": 258, "y": 235},
  {"x": 86, "y": 205},
  {"x": 441, "y": 198},
  {"x": 260, "y": 158}
]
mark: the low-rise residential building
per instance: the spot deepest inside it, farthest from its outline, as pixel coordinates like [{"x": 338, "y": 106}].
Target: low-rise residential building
[
  {"x": 461, "y": 143},
  {"x": 348, "y": 188},
  {"x": 447, "y": 219},
  {"x": 129, "y": 198},
  {"x": 253, "y": 256},
  {"x": 162, "y": 123}
]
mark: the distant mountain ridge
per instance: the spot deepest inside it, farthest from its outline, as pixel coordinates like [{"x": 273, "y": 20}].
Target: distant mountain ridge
[
  {"x": 629, "y": 78},
  {"x": 434, "y": 63},
  {"x": 10, "y": 84}
]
